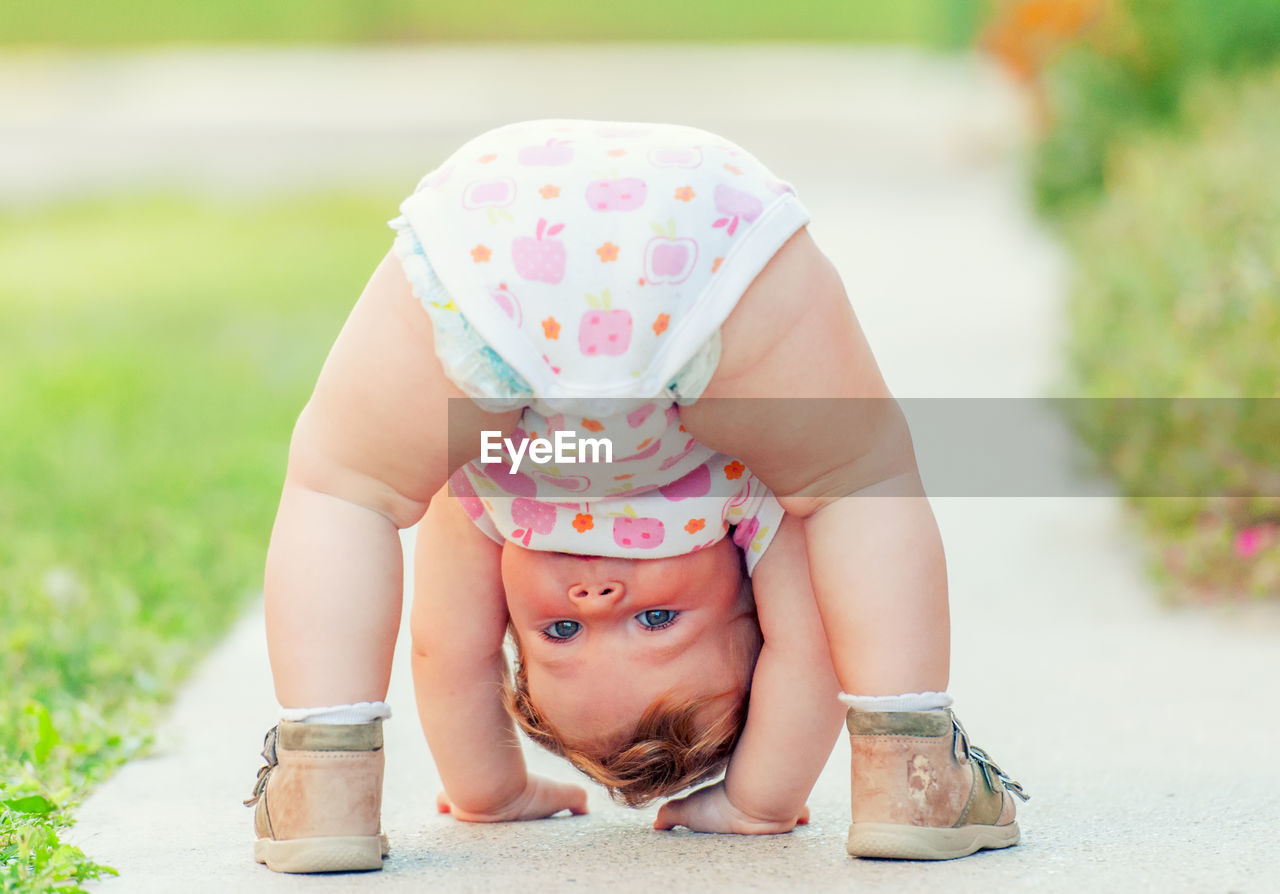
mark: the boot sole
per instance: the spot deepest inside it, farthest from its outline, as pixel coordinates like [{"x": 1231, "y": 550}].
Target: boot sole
[
  {"x": 344, "y": 854},
  {"x": 897, "y": 842}
]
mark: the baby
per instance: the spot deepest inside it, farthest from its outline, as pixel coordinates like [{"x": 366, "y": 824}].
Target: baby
[{"x": 636, "y": 282}]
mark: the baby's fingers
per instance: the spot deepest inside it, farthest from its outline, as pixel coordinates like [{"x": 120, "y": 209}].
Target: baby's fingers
[
  {"x": 552, "y": 797},
  {"x": 709, "y": 811},
  {"x": 668, "y": 817},
  {"x": 689, "y": 812}
]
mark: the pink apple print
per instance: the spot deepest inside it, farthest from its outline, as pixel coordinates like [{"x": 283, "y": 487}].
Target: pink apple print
[
  {"x": 676, "y": 157},
  {"x": 507, "y": 303},
  {"x": 532, "y": 517},
  {"x": 696, "y": 484},
  {"x": 672, "y": 460},
  {"x": 638, "y": 533},
  {"x": 746, "y": 532},
  {"x": 460, "y": 484},
  {"x": 501, "y": 474},
  {"x": 572, "y": 483},
  {"x": 740, "y": 498},
  {"x": 603, "y": 331},
  {"x": 622, "y": 194},
  {"x": 668, "y": 259},
  {"x": 554, "y": 152},
  {"x": 778, "y": 187},
  {"x": 540, "y": 258},
  {"x": 636, "y": 418},
  {"x": 489, "y": 193},
  {"x": 735, "y": 204}
]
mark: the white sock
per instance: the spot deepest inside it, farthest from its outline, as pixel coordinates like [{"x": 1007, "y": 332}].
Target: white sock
[
  {"x": 911, "y": 701},
  {"x": 360, "y": 712}
]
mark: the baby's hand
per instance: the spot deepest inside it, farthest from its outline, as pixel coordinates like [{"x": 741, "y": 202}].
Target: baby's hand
[
  {"x": 540, "y": 799},
  {"x": 710, "y": 810}
]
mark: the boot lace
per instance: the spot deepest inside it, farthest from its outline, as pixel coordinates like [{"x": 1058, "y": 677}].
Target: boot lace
[
  {"x": 264, "y": 772},
  {"x": 986, "y": 765}
]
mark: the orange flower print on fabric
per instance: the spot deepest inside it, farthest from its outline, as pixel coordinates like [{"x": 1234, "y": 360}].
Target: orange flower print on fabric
[
  {"x": 695, "y": 525},
  {"x": 549, "y": 191},
  {"x": 480, "y": 254},
  {"x": 592, "y": 425},
  {"x": 731, "y": 169},
  {"x": 617, "y": 153},
  {"x": 685, "y": 194},
  {"x": 551, "y": 328},
  {"x": 734, "y": 470},
  {"x": 660, "y": 324},
  {"x": 485, "y": 159},
  {"x": 715, "y": 266},
  {"x": 583, "y": 523},
  {"x": 607, "y": 252}
]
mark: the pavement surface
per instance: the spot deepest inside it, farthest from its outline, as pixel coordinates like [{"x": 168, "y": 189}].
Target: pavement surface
[{"x": 1142, "y": 733}]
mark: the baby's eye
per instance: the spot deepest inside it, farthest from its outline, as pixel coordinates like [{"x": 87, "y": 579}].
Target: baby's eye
[
  {"x": 562, "y": 630},
  {"x": 657, "y": 618}
]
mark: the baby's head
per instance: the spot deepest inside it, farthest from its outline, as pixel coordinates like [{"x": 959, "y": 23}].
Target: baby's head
[{"x": 635, "y": 670}]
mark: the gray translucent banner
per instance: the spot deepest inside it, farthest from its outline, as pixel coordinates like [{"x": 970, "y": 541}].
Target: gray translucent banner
[{"x": 974, "y": 447}]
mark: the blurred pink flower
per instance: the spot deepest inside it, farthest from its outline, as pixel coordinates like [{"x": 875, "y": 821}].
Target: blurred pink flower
[{"x": 1252, "y": 539}]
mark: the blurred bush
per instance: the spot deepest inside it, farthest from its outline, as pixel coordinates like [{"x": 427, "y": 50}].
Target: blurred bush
[
  {"x": 1178, "y": 295},
  {"x": 1131, "y": 73}
]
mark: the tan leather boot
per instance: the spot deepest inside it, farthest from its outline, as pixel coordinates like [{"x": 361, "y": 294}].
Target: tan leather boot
[
  {"x": 319, "y": 798},
  {"x": 922, "y": 792}
]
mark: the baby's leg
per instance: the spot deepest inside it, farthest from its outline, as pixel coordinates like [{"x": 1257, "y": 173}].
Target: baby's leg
[
  {"x": 373, "y": 444},
  {"x": 845, "y": 463},
  {"x": 876, "y": 559}
]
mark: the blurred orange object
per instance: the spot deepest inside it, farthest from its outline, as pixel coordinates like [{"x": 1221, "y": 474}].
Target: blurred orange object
[{"x": 1025, "y": 34}]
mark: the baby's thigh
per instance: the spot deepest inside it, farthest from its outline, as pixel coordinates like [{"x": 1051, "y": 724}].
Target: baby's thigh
[
  {"x": 384, "y": 426},
  {"x": 797, "y": 395}
]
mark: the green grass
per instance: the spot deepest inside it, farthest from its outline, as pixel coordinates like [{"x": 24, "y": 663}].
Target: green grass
[
  {"x": 1178, "y": 273},
  {"x": 935, "y": 23},
  {"x": 153, "y": 355}
]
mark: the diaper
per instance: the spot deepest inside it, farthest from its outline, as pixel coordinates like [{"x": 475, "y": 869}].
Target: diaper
[{"x": 586, "y": 267}]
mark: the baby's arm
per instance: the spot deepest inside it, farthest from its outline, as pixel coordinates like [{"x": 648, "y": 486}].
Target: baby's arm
[
  {"x": 793, "y": 718},
  {"x": 459, "y": 619}
]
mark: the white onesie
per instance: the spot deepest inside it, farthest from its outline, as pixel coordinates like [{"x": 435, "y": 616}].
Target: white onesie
[{"x": 582, "y": 269}]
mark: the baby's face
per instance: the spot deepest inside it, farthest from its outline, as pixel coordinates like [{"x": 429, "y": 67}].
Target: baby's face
[{"x": 604, "y": 638}]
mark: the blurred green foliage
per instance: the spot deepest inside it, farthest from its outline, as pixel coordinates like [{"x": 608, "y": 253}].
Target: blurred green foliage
[
  {"x": 84, "y": 23},
  {"x": 153, "y": 356},
  {"x": 1130, "y": 75},
  {"x": 1178, "y": 294}
]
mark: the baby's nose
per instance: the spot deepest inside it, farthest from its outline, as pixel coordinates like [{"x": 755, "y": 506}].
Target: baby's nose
[{"x": 605, "y": 591}]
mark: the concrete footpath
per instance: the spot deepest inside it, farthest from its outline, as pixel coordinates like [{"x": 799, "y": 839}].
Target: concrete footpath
[{"x": 1142, "y": 734}]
